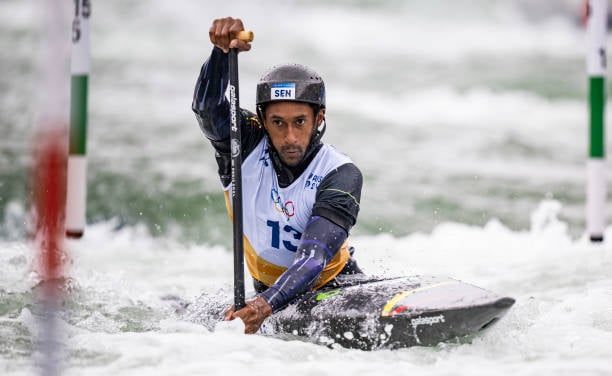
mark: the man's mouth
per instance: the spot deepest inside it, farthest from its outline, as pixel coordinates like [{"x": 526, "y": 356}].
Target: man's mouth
[{"x": 292, "y": 154}]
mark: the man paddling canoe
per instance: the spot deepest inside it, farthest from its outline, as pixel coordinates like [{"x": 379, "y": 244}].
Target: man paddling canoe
[{"x": 300, "y": 196}]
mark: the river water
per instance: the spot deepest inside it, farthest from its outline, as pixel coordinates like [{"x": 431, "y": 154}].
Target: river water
[{"x": 468, "y": 120}]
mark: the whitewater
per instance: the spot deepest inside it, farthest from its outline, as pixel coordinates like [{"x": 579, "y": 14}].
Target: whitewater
[{"x": 468, "y": 120}]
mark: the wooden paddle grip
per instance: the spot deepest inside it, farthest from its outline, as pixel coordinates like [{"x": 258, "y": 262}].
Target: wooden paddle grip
[{"x": 245, "y": 36}]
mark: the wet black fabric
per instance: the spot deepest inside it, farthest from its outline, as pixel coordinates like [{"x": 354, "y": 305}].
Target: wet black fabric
[
  {"x": 338, "y": 196},
  {"x": 212, "y": 111}
]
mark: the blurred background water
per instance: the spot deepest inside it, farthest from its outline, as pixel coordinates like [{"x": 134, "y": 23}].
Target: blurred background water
[
  {"x": 462, "y": 111},
  {"x": 468, "y": 120}
]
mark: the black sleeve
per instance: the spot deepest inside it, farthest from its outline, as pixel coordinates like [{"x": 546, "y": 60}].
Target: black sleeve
[
  {"x": 339, "y": 195},
  {"x": 320, "y": 242},
  {"x": 209, "y": 104},
  {"x": 211, "y": 109}
]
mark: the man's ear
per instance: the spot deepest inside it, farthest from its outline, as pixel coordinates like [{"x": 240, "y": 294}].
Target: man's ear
[{"x": 320, "y": 117}]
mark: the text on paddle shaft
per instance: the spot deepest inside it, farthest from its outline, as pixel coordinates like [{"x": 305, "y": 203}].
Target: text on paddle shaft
[
  {"x": 275, "y": 227},
  {"x": 83, "y": 8}
]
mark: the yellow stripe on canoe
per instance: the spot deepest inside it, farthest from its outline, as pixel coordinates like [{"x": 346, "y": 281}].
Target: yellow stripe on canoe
[{"x": 393, "y": 301}]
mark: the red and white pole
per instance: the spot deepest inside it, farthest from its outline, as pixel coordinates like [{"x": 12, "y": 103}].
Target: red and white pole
[{"x": 50, "y": 154}]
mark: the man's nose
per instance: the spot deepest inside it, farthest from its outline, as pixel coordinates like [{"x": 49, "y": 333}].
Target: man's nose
[{"x": 291, "y": 135}]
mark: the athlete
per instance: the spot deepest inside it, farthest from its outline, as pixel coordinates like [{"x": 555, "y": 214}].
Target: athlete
[{"x": 300, "y": 196}]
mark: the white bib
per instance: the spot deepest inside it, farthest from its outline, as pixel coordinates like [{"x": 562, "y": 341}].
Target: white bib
[{"x": 274, "y": 218}]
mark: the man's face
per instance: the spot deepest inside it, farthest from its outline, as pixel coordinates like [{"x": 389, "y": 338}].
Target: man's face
[{"x": 290, "y": 126}]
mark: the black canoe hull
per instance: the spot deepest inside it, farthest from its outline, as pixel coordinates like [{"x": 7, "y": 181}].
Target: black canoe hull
[
  {"x": 369, "y": 313},
  {"x": 372, "y": 313}
]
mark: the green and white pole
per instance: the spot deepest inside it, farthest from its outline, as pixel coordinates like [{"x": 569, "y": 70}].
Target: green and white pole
[
  {"x": 596, "y": 68},
  {"x": 77, "y": 162}
]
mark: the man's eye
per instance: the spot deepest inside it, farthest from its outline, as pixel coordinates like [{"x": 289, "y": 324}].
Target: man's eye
[
  {"x": 300, "y": 121},
  {"x": 277, "y": 123}
]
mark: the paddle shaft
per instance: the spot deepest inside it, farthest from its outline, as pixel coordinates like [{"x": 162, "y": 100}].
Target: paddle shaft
[
  {"x": 236, "y": 147},
  {"x": 236, "y": 150}
]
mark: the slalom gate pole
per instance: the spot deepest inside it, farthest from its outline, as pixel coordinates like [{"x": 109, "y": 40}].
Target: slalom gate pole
[
  {"x": 597, "y": 18},
  {"x": 77, "y": 161},
  {"x": 48, "y": 178},
  {"x": 236, "y": 148}
]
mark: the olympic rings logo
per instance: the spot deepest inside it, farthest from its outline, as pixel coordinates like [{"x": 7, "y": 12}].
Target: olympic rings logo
[{"x": 287, "y": 208}]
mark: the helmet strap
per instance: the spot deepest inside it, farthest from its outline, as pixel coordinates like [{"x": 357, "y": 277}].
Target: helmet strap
[
  {"x": 318, "y": 133},
  {"x": 260, "y": 113}
]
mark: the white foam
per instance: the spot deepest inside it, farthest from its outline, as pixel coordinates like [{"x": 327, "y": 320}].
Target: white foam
[{"x": 562, "y": 286}]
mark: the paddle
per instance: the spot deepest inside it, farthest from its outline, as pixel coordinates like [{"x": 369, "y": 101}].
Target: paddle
[{"x": 236, "y": 147}]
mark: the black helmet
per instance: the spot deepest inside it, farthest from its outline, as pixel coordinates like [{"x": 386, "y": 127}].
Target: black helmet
[
  {"x": 297, "y": 83},
  {"x": 290, "y": 82}
]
